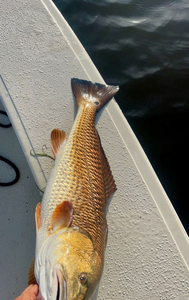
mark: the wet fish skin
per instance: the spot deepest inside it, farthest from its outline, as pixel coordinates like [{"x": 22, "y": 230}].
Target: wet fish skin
[{"x": 71, "y": 221}]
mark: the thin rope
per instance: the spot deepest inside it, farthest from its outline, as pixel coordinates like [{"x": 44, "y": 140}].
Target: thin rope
[
  {"x": 7, "y": 161},
  {"x": 4, "y": 125},
  {"x": 14, "y": 167}
]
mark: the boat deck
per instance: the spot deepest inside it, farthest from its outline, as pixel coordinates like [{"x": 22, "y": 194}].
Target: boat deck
[{"x": 147, "y": 254}]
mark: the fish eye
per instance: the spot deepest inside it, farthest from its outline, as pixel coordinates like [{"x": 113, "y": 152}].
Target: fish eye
[
  {"x": 96, "y": 102},
  {"x": 82, "y": 278}
]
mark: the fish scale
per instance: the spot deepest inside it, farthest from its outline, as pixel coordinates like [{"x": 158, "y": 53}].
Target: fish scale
[
  {"x": 84, "y": 176},
  {"x": 87, "y": 142},
  {"x": 72, "y": 214}
]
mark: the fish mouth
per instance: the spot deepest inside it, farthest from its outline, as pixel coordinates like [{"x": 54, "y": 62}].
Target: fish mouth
[{"x": 61, "y": 286}]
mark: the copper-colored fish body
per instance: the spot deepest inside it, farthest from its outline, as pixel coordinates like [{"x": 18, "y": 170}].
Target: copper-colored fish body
[{"x": 76, "y": 195}]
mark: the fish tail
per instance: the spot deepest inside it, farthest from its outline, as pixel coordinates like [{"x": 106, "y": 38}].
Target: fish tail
[{"x": 96, "y": 93}]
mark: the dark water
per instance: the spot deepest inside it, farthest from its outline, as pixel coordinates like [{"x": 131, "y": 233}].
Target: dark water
[{"x": 143, "y": 46}]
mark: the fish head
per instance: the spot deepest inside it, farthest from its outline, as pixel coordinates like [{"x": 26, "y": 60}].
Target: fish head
[
  {"x": 72, "y": 269},
  {"x": 81, "y": 274},
  {"x": 81, "y": 265}
]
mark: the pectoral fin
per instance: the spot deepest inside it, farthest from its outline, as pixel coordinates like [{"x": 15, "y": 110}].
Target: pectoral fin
[
  {"x": 58, "y": 137},
  {"x": 63, "y": 215}
]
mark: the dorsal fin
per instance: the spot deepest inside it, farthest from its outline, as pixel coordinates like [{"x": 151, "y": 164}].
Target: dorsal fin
[
  {"x": 63, "y": 215},
  {"x": 110, "y": 186},
  {"x": 57, "y": 139}
]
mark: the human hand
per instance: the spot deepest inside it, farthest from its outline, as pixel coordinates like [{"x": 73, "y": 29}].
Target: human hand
[{"x": 30, "y": 293}]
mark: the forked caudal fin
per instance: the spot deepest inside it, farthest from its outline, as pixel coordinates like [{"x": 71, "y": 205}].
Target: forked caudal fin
[{"x": 86, "y": 91}]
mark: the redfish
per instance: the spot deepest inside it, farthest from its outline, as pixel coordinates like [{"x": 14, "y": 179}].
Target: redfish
[{"x": 71, "y": 221}]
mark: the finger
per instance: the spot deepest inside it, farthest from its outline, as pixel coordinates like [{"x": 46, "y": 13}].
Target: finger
[
  {"x": 32, "y": 289},
  {"x": 39, "y": 297},
  {"x": 28, "y": 288}
]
